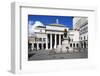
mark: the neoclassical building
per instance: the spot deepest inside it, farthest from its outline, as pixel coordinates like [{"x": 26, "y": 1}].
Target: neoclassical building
[
  {"x": 81, "y": 24},
  {"x": 51, "y": 37}
]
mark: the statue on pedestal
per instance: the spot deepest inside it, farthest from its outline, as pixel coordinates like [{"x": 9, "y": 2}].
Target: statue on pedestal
[{"x": 65, "y": 33}]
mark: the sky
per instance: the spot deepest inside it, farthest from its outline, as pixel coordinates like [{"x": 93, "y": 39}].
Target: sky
[{"x": 48, "y": 19}]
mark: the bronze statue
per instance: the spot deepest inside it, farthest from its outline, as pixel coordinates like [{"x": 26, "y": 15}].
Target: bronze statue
[{"x": 65, "y": 32}]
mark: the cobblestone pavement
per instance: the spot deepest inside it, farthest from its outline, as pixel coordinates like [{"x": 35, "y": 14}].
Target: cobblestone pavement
[{"x": 50, "y": 54}]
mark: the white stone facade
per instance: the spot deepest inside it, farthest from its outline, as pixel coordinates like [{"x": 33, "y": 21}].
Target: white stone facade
[
  {"x": 51, "y": 37},
  {"x": 81, "y": 24}
]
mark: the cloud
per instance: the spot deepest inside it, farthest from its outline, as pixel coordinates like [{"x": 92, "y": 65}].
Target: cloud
[
  {"x": 38, "y": 23},
  {"x": 32, "y": 25},
  {"x": 30, "y": 22}
]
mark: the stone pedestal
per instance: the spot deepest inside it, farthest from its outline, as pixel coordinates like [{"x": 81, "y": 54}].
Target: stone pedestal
[
  {"x": 58, "y": 50},
  {"x": 66, "y": 46}
]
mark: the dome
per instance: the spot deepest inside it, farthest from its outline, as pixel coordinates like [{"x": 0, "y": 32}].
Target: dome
[{"x": 60, "y": 25}]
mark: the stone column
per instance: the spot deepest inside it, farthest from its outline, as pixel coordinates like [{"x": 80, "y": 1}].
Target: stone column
[
  {"x": 55, "y": 46},
  {"x": 59, "y": 39},
  {"x": 47, "y": 42},
  {"x": 32, "y": 46},
  {"x": 50, "y": 41},
  {"x": 42, "y": 46},
  {"x": 41, "y": 43},
  {"x": 72, "y": 44},
  {"x": 37, "y": 46}
]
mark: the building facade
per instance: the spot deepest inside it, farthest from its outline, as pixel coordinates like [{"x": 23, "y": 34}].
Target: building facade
[
  {"x": 51, "y": 36},
  {"x": 81, "y": 24}
]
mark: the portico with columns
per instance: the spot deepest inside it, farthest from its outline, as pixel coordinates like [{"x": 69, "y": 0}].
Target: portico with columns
[
  {"x": 53, "y": 37},
  {"x": 53, "y": 40}
]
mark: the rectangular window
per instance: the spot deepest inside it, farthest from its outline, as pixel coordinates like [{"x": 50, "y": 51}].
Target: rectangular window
[
  {"x": 84, "y": 37},
  {"x": 44, "y": 39}
]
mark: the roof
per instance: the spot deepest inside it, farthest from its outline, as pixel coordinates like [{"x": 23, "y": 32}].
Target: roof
[
  {"x": 60, "y": 25},
  {"x": 41, "y": 26}
]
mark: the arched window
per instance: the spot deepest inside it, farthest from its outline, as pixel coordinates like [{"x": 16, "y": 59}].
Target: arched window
[
  {"x": 71, "y": 45},
  {"x": 40, "y": 46},
  {"x": 35, "y": 45},
  {"x": 44, "y": 46},
  {"x": 81, "y": 45},
  {"x": 77, "y": 45},
  {"x": 84, "y": 44}
]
